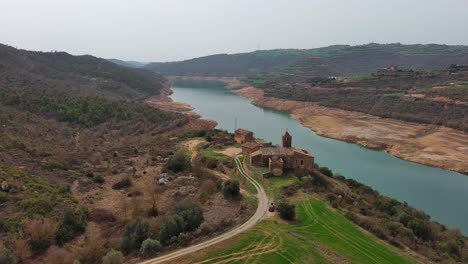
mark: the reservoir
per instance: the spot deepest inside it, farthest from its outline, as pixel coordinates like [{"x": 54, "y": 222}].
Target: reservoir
[{"x": 440, "y": 193}]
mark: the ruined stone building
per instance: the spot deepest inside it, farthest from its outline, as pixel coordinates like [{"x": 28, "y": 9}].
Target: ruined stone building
[{"x": 285, "y": 158}]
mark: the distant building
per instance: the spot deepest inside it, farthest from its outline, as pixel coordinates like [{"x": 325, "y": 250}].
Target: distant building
[
  {"x": 242, "y": 136},
  {"x": 284, "y": 158}
]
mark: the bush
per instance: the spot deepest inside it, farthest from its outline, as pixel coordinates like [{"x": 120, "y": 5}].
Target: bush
[
  {"x": 71, "y": 225},
  {"x": 326, "y": 171},
  {"x": 420, "y": 229},
  {"x": 231, "y": 189},
  {"x": 286, "y": 211},
  {"x": 184, "y": 218},
  {"x": 405, "y": 219},
  {"x": 134, "y": 234},
  {"x": 93, "y": 250},
  {"x": 57, "y": 255},
  {"x": 54, "y": 164},
  {"x": 99, "y": 179},
  {"x": 172, "y": 225},
  {"x": 149, "y": 247},
  {"x": 41, "y": 234},
  {"x": 100, "y": 215},
  {"x": 192, "y": 215},
  {"x": 125, "y": 183},
  {"x": 6, "y": 257},
  {"x": 180, "y": 161},
  {"x": 113, "y": 257}
]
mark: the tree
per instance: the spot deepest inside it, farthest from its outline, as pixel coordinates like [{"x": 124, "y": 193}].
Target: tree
[
  {"x": 184, "y": 218},
  {"x": 149, "y": 247},
  {"x": 420, "y": 229},
  {"x": 135, "y": 232},
  {"x": 192, "y": 215},
  {"x": 180, "y": 161},
  {"x": 231, "y": 189},
  {"x": 172, "y": 225},
  {"x": 286, "y": 211}
]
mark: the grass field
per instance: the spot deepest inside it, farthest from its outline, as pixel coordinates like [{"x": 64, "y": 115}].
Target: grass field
[
  {"x": 318, "y": 230},
  {"x": 211, "y": 153}
]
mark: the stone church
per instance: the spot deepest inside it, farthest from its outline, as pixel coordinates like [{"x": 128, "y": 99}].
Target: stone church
[{"x": 285, "y": 158}]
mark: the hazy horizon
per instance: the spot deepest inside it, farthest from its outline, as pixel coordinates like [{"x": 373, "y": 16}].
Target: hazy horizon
[{"x": 151, "y": 31}]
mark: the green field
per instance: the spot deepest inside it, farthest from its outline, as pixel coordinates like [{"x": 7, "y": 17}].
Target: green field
[
  {"x": 318, "y": 229},
  {"x": 211, "y": 153}
]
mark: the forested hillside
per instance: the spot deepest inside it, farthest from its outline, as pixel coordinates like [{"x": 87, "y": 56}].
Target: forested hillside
[
  {"x": 77, "y": 75},
  {"x": 340, "y": 60},
  {"x": 238, "y": 64}
]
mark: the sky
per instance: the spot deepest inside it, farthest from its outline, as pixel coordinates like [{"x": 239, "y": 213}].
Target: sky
[{"x": 153, "y": 30}]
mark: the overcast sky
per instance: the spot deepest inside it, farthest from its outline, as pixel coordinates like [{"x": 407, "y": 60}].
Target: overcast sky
[{"x": 153, "y": 30}]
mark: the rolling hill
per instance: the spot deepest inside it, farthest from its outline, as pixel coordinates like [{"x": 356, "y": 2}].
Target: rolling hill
[
  {"x": 339, "y": 60},
  {"x": 75, "y": 75},
  {"x": 128, "y": 64}
]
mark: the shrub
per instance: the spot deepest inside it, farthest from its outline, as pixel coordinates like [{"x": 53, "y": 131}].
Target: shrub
[
  {"x": 404, "y": 219},
  {"x": 54, "y": 164},
  {"x": 135, "y": 232},
  {"x": 453, "y": 248},
  {"x": 93, "y": 249},
  {"x": 201, "y": 133},
  {"x": 99, "y": 179},
  {"x": 172, "y": 225},
  {"x": 180, "y": 161},
  {"x": 38, "y": 204},
  {"x": 420, "y": 229},
  {"x": 149, "y": 247},
  {"x": 41, "y": 234},
  {"x": 71, "y": 225},
  {"x": 185, "y": 218},
  {"x": 122, "y": 184},
  {"x": 286, "y": 211},
  {"x": 231, "y": 189},
  {"x": 326, "y": 171},
  {"x": 100, "y": 215},
  {"x": 6, "y": 257},
  {"x": 113, "y": 257},
  {"x": 57, "y": 255},
  {"x": 307, "y": 181},
  {"x": 192, "y": 215}
]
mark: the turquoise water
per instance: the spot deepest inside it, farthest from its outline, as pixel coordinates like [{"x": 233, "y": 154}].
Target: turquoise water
[{"x": 440, "y": 193}]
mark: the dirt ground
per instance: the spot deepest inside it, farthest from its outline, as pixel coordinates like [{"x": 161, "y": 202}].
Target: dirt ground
[
  {"x": 164, "y": 102},
  {"x": 231, "y": 152},
  {"x": 427, "y": 144}
]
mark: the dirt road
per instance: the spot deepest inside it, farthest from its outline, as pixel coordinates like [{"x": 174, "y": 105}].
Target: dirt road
[{"x": 261, "y": 210}]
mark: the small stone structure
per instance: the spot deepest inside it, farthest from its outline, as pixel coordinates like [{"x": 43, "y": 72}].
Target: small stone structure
[{"x": 242, "y": 136}]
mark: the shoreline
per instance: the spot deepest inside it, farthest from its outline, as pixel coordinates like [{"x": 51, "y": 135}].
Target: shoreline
[
  {"x": 429, "y": 145},
  {"x": 164, "y": 102}
]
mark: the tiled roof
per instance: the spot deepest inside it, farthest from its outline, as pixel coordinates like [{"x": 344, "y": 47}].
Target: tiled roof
[
  {"x": 243, "y": 131},
  {"x": 280, "y": 151}
]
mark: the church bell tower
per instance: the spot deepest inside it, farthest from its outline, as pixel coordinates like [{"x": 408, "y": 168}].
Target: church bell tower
[{"x": 287, "y": 140}]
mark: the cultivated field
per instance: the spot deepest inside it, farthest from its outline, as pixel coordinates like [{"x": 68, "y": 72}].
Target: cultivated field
[{"x": 319, "y": 236}]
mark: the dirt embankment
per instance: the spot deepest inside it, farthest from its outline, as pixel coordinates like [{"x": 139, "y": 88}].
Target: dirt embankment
[
  {"x": 164, "y": 102},
  {"x": 427, "y": 144}
]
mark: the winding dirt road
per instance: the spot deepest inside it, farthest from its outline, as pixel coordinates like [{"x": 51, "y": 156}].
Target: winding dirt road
[{"x": 261, "y": 210}]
